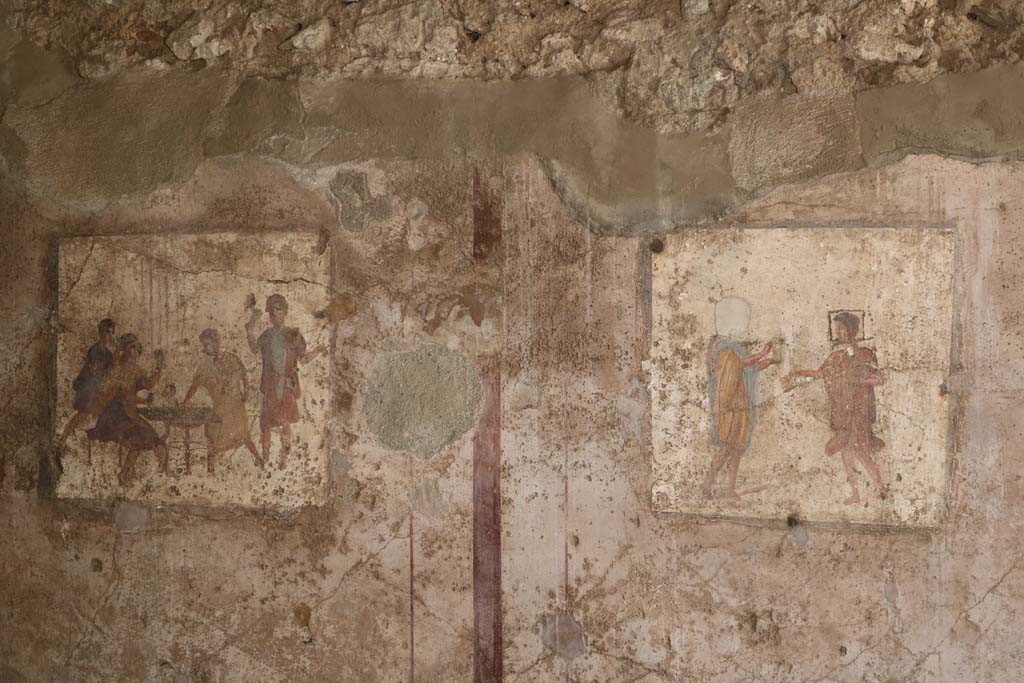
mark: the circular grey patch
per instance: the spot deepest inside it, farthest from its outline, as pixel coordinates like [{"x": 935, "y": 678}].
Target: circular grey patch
[{"x": 422, "y": 400}]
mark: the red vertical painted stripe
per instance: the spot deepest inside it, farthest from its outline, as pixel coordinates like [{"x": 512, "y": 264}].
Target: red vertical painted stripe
[
  {"x": 412, "y": 600},
  {"x": 487, "y": 529}
]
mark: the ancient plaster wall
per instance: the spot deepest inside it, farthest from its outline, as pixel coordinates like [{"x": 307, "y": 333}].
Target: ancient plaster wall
[{"x": 490, "y": 242}]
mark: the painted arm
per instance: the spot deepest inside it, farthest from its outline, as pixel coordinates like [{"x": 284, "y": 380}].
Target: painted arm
[
  {"x": 760, "y": 358},
  {"x": 254, "y": 344},
  {"x": 149, "y": 382},
  {"x": 310, "y": 355},
  {"x": 240, "y": 377},
  {"x": 873, "y": 377},
  {"x": 191, "y": 391},
  {"x": 787, "y": 380},
  {"x": 108, "y": 389}
]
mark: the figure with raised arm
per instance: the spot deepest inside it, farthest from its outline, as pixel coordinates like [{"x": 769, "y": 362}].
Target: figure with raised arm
[{"x": 282, "y": 349}]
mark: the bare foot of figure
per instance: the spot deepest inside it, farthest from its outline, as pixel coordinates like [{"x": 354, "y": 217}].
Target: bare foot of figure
[
  {"x": 163, "y": 457},
  {"x": 731, "y": 494},
  {"x": 853, "y": 500},
  {"x": 251, "y": 447}
]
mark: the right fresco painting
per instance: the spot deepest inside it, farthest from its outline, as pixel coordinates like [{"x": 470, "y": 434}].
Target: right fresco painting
[{"x": 802, "y": 371}]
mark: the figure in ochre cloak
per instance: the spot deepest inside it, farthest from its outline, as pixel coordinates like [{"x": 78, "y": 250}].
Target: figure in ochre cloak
[{"x": 734, "y": 373}]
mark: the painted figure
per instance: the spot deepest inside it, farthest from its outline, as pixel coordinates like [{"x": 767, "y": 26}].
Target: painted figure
[
  {"x": 734, "y": 373},
  {"x": 98, "y": 360},
  {"x": 282, "y": 349},
  {"x": 850, "y": 374},
  {"x": 119, "y": 395},
  {"x": 222, "y": 375}
]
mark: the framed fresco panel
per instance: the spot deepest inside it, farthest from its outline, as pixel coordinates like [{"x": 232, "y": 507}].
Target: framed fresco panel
[
  {"x": 802, "y": 371},
  {"x": 192, "y": 369}
]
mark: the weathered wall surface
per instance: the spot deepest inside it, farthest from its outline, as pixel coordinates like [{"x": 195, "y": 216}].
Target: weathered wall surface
[{"x": 490, "y": 241}]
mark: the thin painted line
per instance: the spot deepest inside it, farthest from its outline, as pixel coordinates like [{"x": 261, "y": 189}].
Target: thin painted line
[{"x": 412, "y": 601}]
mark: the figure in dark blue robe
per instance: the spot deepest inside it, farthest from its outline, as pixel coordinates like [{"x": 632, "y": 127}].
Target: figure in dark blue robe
[{"x": 86, "y": 385}]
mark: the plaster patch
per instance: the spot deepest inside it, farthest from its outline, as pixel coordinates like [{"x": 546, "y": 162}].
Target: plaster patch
[{"x": 422, "y": 400}]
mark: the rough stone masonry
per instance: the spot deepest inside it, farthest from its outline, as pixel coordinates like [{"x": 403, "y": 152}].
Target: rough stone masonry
[{"x": 454, "y": 416}]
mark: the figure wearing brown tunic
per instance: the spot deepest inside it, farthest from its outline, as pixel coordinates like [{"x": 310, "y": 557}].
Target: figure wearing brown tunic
[
  {"x": 222, "y": 380},
  {"x": 852, "y": 402}
]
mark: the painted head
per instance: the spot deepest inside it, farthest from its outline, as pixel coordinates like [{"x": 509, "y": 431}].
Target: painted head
[
  {"x": 277, "y": 307},
  {"x": 732, "y": 317},
  {"x": 209, "y": 340},
  {"x": 845, "y": 326},
  {"x": 107, "y": 330},
  {"x": 129, "y": 346}
]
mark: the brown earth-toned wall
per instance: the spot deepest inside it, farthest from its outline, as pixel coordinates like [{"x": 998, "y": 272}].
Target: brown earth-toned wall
[{"x": 490, "y": 182}]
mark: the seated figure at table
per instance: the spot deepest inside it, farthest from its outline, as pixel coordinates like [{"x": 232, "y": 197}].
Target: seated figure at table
[
  {"x": 98, "y": 360},
  {"x": 222, "y": 375},
  {"x": 120, "y": 393}
]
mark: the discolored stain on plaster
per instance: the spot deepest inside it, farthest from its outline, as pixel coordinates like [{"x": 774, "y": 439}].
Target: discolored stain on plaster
[
  {"x": 165, "y": 148},
  {"x": 563, "y": 635},
  {"x": 262, "y": 115},
  {"x": 128, "y": 517},
  {"x": 356, "y": 206}
]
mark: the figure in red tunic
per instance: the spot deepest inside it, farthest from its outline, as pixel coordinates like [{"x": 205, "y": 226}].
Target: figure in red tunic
[
  {"x": 851, "y": 374},
  {"x": 281, "y": 349}
]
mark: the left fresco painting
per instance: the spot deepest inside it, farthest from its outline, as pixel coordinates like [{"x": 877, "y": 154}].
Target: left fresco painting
[{"x": 193, "y": 369}]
